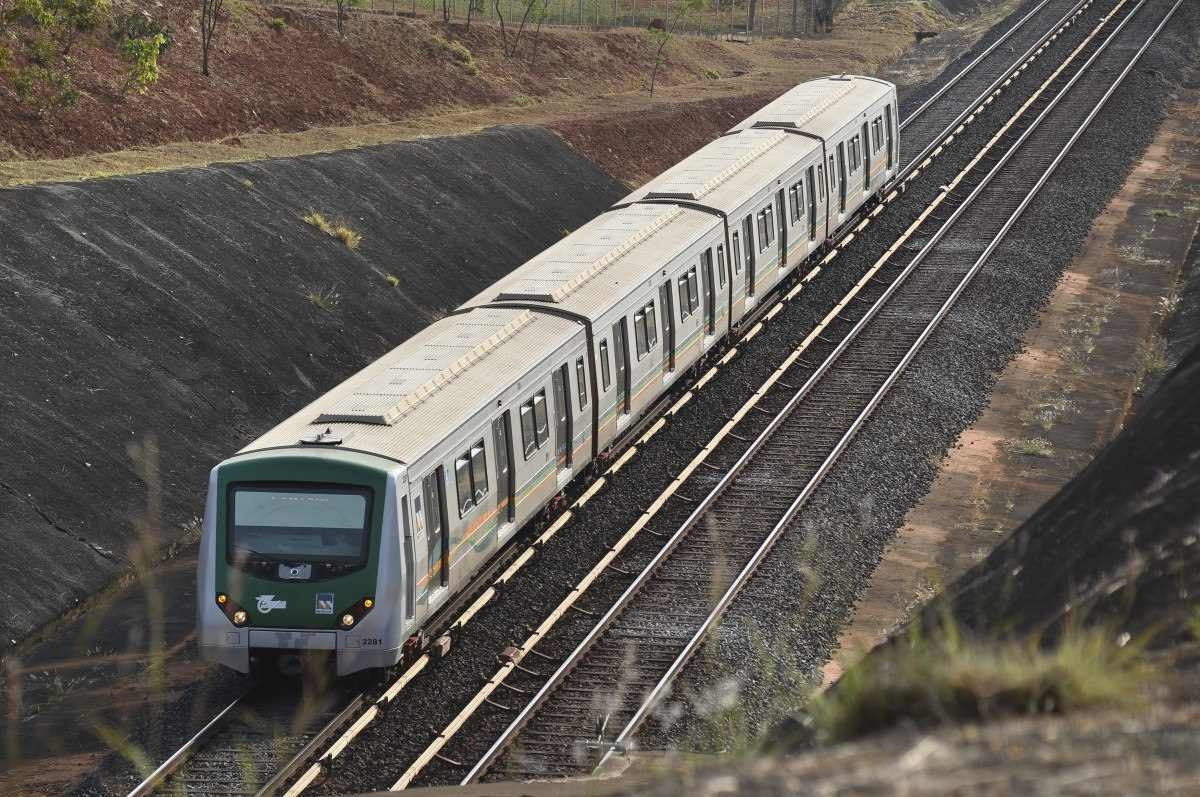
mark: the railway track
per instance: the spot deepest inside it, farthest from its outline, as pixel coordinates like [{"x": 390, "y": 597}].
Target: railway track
[
  {"x": 302, "y": 756},
  {"x": 593, "y": 705}
]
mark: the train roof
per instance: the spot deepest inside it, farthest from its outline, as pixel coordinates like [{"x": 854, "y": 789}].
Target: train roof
[
  {"x": 725, "y": 173},
  {"x": 466, "y": 361},
  {"x": 598, "y": 265},
  {"x": 820, "y": 107}
]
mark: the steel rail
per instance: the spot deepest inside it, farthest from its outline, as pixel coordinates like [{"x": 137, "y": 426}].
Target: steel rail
[
  {"x": 977, "y": 104},
  {"x": 652, "y": 699},
  {"x": 307, "y": 754},
  {"x": 568, "y": 664},
  {"x": 180, "y": 756}
]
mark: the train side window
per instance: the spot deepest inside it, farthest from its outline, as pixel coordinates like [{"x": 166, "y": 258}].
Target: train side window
[
  {"x": 735, "y": 246},
  {"x": 685, "y": 307},
  {"x": 821, "y": 179},
  {"x": 605, "y": 367},
  {"x": 528, "y": 431},
  {"x": 541, "y": 418},
  {"x": 462, "y": 476},
  {"x": 721, "y": 265},
  {"x": 581, "y": 383},
  {"x": 651, "y": 326},
  {"x": 479, "y": 480}
]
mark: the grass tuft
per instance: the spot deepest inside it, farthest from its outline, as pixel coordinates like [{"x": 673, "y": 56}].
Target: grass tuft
[
  {"x": 278, "y": 24},
  {"x": 319, "y": 221},
  {"x": 1033, "y": 447},
  {"x": 392, "y": 280},
  {"x": 950, "y": 679},
  {"x": 325, "y": 298},
  {"x": 351, "y": 238}
]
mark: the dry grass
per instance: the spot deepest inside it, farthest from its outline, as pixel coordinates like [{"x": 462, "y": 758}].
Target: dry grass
[
  {"x": 392, "y": 280},
  {"x": 1032, "y": 447},
  {"x": 325, "y": 298},
  {"x": 334, "y": 229},
  {"x": 318, "y": 220},
  {"x": 951, "y": 679},
  {"x": 348, "y": 236}
]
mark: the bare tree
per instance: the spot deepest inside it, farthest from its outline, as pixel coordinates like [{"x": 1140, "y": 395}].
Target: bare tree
[
  {"x": 542, "y": 13},
  {"x": 660, "y": 37},
  {"x": 503, "y": 29},
  {"x": 750, "y": 17},
  {"x": 210, "y": 17},
  {"x": 344, "y": 6}
]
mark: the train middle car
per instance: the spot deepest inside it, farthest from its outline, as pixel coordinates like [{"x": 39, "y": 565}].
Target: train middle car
[{"x": 347, "y": 526}]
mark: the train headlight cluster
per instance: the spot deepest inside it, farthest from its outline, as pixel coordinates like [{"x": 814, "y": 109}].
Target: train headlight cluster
[
  {"x": 236, "y": 614},
  {"x": 356, "y": 612}
]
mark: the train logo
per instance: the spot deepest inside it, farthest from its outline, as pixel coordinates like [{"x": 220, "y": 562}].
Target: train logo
[{"x": 267, "y": 602}]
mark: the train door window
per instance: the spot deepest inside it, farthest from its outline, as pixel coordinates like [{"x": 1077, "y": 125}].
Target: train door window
[
  {"x": 665, "y": 296},
  {"x": 821, "y": 178},
  {"x": 605, "y": 368},
  {"x": 437, "y": 541},
  {"x": 833, "y": 181},
  {"x": 529, "y": 442},
  {"x": 581, "y": 383},
  {"x": 563, "y": 444},
  {"x": 505, "y": 478},
  {"x": 651, "y": 325},
  {"x": 710, "y": 295},
  {"x": 793, "y": 205},
  {"x": 684, "y": 305},
  {"x": 841, "y": 175},
  {"x": 762, "y": 229},
  {"x": 693, "y": 288},
  {"x": 639, "y": 334},
  {"x": 866, "y": 160},
  {"x": 479, "y": 480},
  {"x": 721, "y": 265},
  {"x": 462, "y": 477},
  {"x": 770, "y": 211},
  {"x": 812, "y": 207},
  {"x": 541, "y": 418},
  {"x": 887, "y": 128},
  {"x": 735, "y": 247},
  {"x": 621, "y": 352}
]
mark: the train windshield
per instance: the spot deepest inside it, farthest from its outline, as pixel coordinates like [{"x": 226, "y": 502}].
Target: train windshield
[{"x": 298, "y": 523}]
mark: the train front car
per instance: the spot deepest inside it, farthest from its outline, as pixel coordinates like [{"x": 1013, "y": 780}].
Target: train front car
[{"x": 299, "y": 555}]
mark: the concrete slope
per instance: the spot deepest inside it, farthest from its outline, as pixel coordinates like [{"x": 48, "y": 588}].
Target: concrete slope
[{"x": 173, "y": 311}]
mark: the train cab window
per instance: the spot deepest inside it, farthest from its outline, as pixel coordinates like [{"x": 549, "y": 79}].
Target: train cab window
[
  {"x": 605, "y": 367},
  {"x": 581, "y": 383},
  {"x": 541, "y": 418},
  {"x": 736, "y": 247},
  {"x": 721, "y": 265}
]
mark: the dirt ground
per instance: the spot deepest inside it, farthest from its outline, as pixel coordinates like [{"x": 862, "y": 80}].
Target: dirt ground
[
  {"x": 1064, "y": 398},
  {"x": 302, "y": 90}
]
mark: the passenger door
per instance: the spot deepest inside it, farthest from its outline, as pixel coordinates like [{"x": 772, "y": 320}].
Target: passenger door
[
  {"x": 812, "y": 206},
  {"x": 438, "y": 538},
  {"x": 748, "y": 246},
  {"x": 866, "y": 150},
  {"x": 887, "y": 126},
  {"x": 783, "y": 225},
  {"x": 506, "y": 504},
  {"x": 841, "y": 171},
  {"x": 668, "y": 308},
  {"x": 710, "y": 297},
  {"x": 621, "y": 352},
  {"x": 562, "y": 417}
]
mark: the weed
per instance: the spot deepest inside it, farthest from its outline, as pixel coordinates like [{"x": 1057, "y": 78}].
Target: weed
[
  {"x": 712, "y": 74},
  {"x": 277, "y": 24},
  {"x": 1151, "y": 359},
  {"x": 1033, "y": 447},
  {"x": 327, "y": 299},
  {"x": 319, "y": 221},
  {"x": 950, "y": 679},
  {"x": 460, "y": 53},
  {"x": 350, "y": 237},
  {"x": 1046, "y": 410},
  {"x": 392, "y": 280},
  {"x": 1163, "y": 213},
  {"x": 1167, "y": 305},
  {"x": 247, "y": 183}
]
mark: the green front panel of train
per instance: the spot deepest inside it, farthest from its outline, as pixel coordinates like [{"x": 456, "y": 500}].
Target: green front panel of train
[{"x": 287, "y": 550}]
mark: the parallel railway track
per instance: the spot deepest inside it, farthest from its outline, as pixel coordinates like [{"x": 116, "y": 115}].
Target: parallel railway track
[{"x": 301, "y": 755}]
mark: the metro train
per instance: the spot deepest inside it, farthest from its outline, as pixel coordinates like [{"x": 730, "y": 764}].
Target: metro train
[{"x": 348, "y": 526}]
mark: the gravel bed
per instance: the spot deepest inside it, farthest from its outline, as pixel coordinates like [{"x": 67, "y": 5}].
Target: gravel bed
[
  {"x": 381, "y": 753},
  {"x": 785, "y": 625}
]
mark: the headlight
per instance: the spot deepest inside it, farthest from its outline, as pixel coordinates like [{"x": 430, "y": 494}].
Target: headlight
[
  {"x": 236, "y": 614},
  {"x": 347, "y": 620},
  {"x": 239, "y": 617},
  {"x": 356, "y": 612}
]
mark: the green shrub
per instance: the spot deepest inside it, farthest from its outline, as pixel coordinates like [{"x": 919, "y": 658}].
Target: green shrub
[
  {"x": 392, "y": 280},
  {"x": 1033, "y": 447},
  {"x": 140, "y": 25},
  {"x": 949, "y": 679},
  {"x": 460, "y": 53},
  {"x": 277, "y": 24},
  {"x": 46, "y": 89},
  {"x": 142, "y": 57}
]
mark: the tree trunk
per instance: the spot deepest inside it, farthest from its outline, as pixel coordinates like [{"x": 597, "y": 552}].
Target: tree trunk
[{"x": 750, "y": 17}]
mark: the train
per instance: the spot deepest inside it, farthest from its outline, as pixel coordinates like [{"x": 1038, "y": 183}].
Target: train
[{"x": 347, "y": 527}]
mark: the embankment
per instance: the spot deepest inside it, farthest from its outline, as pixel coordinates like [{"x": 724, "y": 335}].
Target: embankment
[{"x": 193, "y": 309}]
